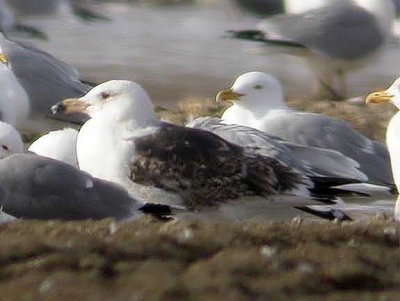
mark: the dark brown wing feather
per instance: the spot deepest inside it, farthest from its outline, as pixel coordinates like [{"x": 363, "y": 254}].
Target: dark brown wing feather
[{"x": 204, "y": 169}]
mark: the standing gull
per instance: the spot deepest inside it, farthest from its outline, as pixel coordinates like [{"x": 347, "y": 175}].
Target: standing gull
[
  {"x": 257, "y": 101},
  {"x": 124, "y": 142},
  {"x": 335, "y": 38},
  {"x": 392, "y": 95}
]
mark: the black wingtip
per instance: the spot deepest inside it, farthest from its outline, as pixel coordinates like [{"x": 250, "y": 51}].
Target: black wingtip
[
  {"x": 31, "y": 31},
  {"x": 260, "y": 36},
  {"x": 332, "y": 214},
  {"x": 159, "y": 211},
  {"x": 248, "y": 34}
]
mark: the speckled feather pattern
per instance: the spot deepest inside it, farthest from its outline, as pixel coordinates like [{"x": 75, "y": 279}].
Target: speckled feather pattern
[{"x": 205, "y": 169}]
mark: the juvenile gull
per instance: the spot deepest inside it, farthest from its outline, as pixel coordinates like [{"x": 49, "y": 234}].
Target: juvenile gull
[
  {"x": 392, "y": 95},
  {"x": 59, "y": 145},
  {"x": 257, "y": 101},
  {"x": 124, "y": 142},
  {"x": 341, "y": 36}
]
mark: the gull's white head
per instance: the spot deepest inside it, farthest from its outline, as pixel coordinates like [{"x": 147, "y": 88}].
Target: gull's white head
[
  {"x": 115, "y": 100},
  {"x": 254, "y": 91},
  {"x": 10, "y": 140},
  {"x": 392, "y": 95}
]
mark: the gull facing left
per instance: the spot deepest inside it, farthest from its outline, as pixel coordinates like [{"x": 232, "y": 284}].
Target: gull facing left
[{"x": 124, "y": 142}]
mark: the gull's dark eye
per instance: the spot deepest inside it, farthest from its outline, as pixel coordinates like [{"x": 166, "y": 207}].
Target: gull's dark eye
[
  {"x": 258, "y": 87},
  {"x": 5, "y": 147},
  {"x": 105, "y": 95}
]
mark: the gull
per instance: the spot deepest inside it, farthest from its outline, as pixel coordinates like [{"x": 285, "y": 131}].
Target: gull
[
  {"x": 124, "y": 142},
  {"x": 42, "y": 188},
  {"x": 80, "y": 9},
  {"x": 36, "y": 187},
  {"x": 391, "y": 95},
  {"x": 59, "y": 145},
  {"x": 14, "y": 102},
  {"x": 319, "y": 163},
  {"x": 9, "y": 24},
  {"x": 44, "y": 79},
  {"x": 343, "y": 35},
  {"x": 257, "y": 102},
  {"x": 10, "y": 140}
]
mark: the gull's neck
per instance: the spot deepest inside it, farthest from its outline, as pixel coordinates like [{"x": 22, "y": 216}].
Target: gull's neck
[
  {"x": 104, "y": 146},
  {"x": 261, "y": 105},
  {"x": 249, "y": 111},
  {"x": 393, "y": 144}
]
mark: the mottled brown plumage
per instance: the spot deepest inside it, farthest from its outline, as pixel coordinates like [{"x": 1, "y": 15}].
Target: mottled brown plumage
[{"x": 205, "y": 169}]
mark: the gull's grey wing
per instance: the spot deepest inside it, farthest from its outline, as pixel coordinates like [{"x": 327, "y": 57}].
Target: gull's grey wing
[
  {"x": 342, "y": 31},
  {"x": 45, "y": 79},
  {"x": 311, "y": 160},
  {"x": 248, "y": 137},
  {"x": 43, "y": 188},
  {"x": 317, "y": 130}
]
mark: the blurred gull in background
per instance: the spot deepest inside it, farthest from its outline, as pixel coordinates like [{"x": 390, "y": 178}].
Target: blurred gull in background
[
  {"x": 9, "y": 24},
  {"x": 341, "y": 36},
  {"x": 14, "y": 102},
  {"x": 261, "y": 7},
  {"x": 45, "y": 79},
  {"x": 84, "y": 10}
]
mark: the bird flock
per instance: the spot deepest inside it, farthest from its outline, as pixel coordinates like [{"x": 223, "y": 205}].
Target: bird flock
[{"x": 124, "y": 162}]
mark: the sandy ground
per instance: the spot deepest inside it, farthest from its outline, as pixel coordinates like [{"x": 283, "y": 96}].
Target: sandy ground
[{"x": 150, "y": 260}]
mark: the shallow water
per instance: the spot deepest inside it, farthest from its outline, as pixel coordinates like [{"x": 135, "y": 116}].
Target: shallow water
[{"x": 180, "y": 52}]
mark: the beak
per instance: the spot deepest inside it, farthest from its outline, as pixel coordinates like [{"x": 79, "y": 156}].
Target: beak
[
  {"x": 3, "y": 58},
  {"x": 70, "y": 106},
  {"x": 379, "y": 97},
  {"x": 71, "y": 110},
  {"x": 226, "y": 95}
]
